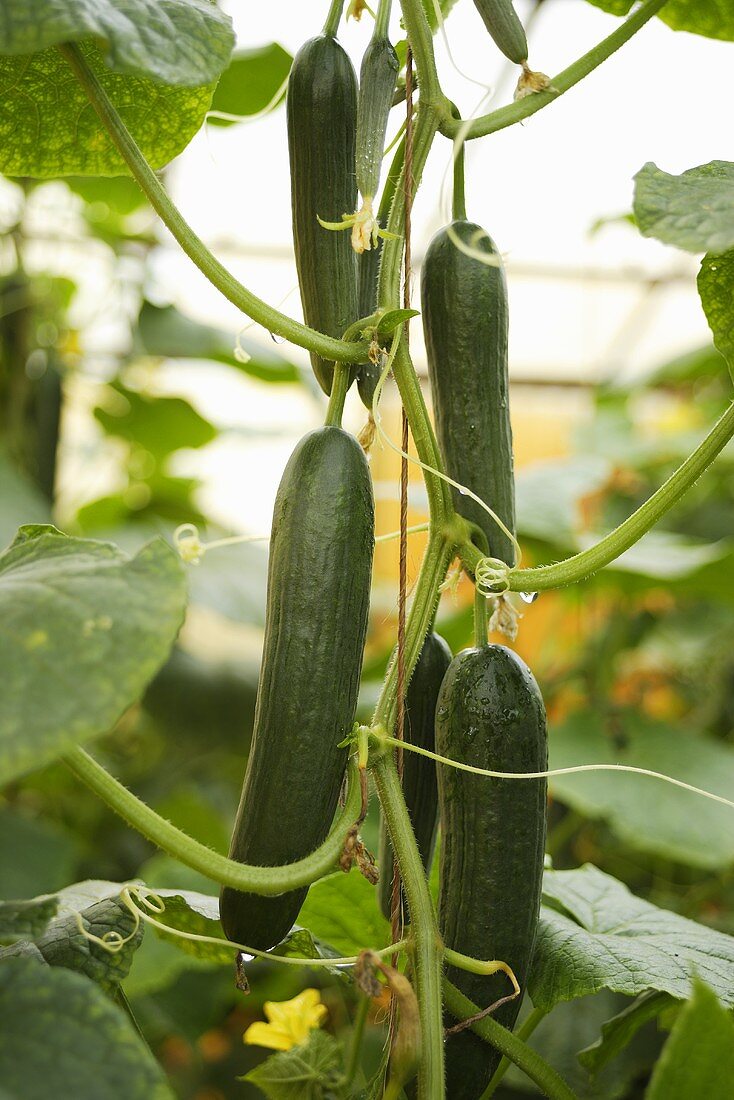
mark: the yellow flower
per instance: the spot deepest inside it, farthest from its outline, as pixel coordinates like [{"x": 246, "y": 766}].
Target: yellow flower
[{"x": 289, "y": 1022}]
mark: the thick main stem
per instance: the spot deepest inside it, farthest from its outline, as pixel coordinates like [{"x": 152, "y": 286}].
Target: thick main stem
[
  {"x": 614, "y": 544},
  {"x": 279, "y": 323},
  {"x": 241, "y": 876},
  {"x": 427, "y": 958}
]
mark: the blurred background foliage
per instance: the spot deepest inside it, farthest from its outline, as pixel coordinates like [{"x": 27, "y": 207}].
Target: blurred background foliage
[{"x": 636, "y": 665}]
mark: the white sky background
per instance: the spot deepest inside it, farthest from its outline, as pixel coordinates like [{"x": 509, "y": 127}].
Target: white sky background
[{"x": 536, "y": 188}]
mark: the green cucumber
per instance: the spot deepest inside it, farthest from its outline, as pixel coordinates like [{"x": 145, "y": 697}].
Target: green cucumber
[
  {"x": 322, "y": 123},
  {"x": 490, "y": 714},
  {"x": 318, "y": 595},
  {"x": 500, "y": 19},
  {"x": 464, "y": 305},
  {"x": 377, "y": 78},
  {"x": 419, "y": 773}
]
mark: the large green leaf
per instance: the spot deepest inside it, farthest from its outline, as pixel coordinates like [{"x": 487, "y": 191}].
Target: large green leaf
[
  {"x": 26, "y": 918},
  {"x": 310, "y": 1071},
  {"x": 64, "y": 944},
  {"x": 48, "y": 128},
  {"x": 342, "y": 911},
  {"x": 602, "y": 937},
  {"x": 251, "y": 81},
  {"x": 618, "y": 1031},
  {"x": 711, "y": 18},
  {"x": 716, "y": 289},
  {"x": 160, "y": 424},
  {"x": 178, "y": 42},
  {"x": 694, "y": 211},
  {"x": 62, "y": 1036},
  {"x": 647, "y": 814},
  {"x": 165, "y": 332},
  {"x": 698, "y": 1058},
  {"x": 83, "y": 629}
]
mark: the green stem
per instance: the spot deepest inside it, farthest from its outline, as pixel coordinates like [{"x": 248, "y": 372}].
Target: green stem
[
  {"x": 427, "y": 950},
  {"x": 382, "y": 19},
  {"x": 440, "y": 504},
  {"x": 523, "y": 108},
  {"x": 339, "y": 387},
  {"x": 458, "y": 199},
  {"x": 523, "y": 1033},
  {"x": 334, "y": 18},
  {"x": 240, "y": 876},
  {"x": 421, "y": 44},
  {"x": 548, "y": 1080},
  {"x": 272, "y": 319},
  {"x": 355, "y": 1048},
  {"x": 439, "y": 552},
  {"x": 609, "y": 548},
  {"x": 481, "y": 619}
]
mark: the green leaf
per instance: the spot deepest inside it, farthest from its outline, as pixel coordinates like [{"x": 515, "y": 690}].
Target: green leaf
[
  {"x": 393, "y": 319},
  {"x": 177, "y": 42},
  {"x": 195, "y": 913},
  {"x": 90, "y": 624},
  {"x": 63, "y": 943},
  {"x": 166, "y": 333},
  {"x": 37, "y": 856},
  {"x": 617, "y": 1033},
  {"x": 694, "y": 211},
  {"x": 310, "y": 1071},
  {"x": 251, "y": 81},
  {"x": 710, "y": 18},
  {"x": 429, "y": 7},
  {"x": 49, "y": 129},
  {"x": 716, "y": 290},
  {"x": 647, "y": 814},
  {"x": 122, "y": 194},
  {"x": 160, "y": 425},
  {"x": 698, "y": 1058},
  {"x": 27, "y": 918},
  {"x": 342, "y": 911},
  {"x": 602, "y": 937},
  {"x": 61, "y": 1032}
]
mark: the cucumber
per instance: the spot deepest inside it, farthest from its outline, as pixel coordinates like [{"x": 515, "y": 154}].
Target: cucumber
[
  {"x": 500, "y": 19},
  {"x": 321, "y": 106},
  {"x": 321, "y": 550},
  {"x": 490, "y": 714},
  {"x": 464, "y": 305},
  {"x": 377, "y": 78},
  {"x": 419, "y": 773}
]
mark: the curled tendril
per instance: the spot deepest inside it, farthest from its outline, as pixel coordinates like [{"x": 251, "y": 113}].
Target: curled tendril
[{"x": 492, "y": 577}]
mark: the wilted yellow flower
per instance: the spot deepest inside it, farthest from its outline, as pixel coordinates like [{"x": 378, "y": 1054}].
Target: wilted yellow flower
[{"x": 289, "y": 1022}]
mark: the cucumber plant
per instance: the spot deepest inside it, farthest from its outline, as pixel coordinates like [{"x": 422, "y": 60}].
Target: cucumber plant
[{"x": 476, "y": 744}]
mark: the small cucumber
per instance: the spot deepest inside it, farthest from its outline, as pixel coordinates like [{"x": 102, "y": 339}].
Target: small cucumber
[
  {"x": 378, "y": 74},
  {"x": 464, "y": 304},
  {"x": 322, "y": 124},
  {"x": 500, "y": 19},
  {"x": 318, "y": 595},
  {"x": 419, "y": 773},
  {"x": 490, "y": 714}
]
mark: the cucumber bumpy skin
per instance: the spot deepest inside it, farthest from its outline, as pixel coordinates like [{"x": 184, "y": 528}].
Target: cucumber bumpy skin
[
  {"x": 377, "y": 78},
  {"x": 318, "y": 597},
  {"x": 321, "y": 106},
  {"x": 500, "y": 19},
  {"x": 420, "y": 786},
  {"x": 490, "y": 714},
  {"x": 464, "y": 304}
]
